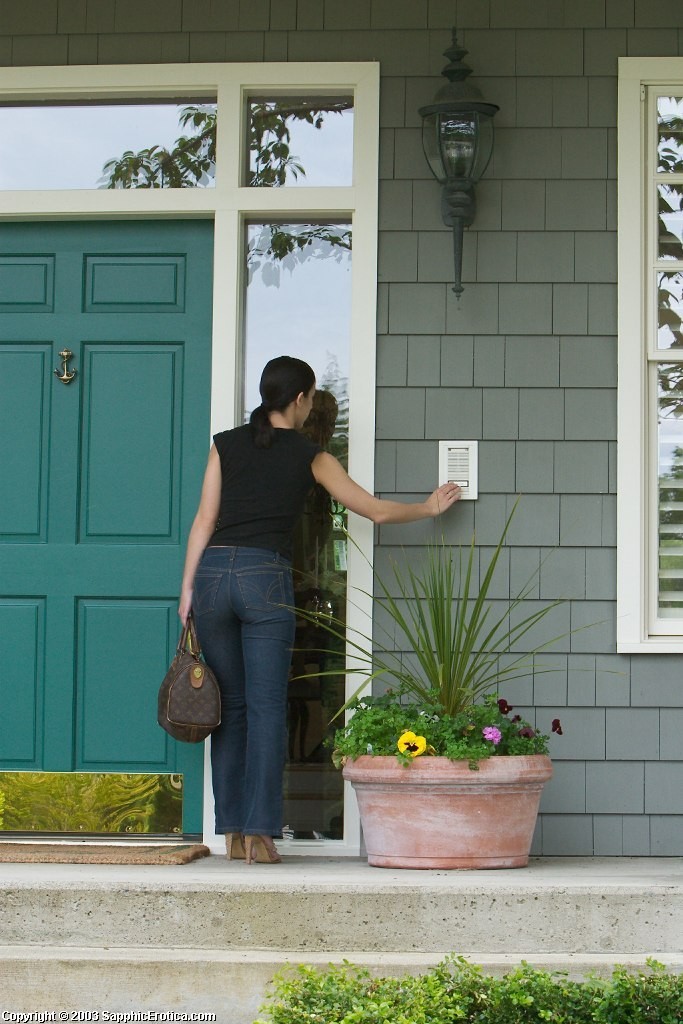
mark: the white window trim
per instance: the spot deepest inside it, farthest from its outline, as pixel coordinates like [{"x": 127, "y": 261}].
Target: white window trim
[
  {"x": 636, "y": 556},
  {"x": 230, "y": 205}
]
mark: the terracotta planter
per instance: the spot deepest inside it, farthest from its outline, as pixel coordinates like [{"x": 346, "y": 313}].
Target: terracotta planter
[{"x": 436, "y": 813}]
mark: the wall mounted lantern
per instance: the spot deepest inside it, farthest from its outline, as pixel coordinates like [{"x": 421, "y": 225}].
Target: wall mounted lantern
[{"x": 457, "y": 137}]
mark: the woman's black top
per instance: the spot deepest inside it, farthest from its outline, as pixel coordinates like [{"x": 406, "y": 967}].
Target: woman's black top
[{"x": 263, "y": 489}]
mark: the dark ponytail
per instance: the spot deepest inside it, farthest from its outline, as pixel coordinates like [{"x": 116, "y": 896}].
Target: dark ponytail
[
  {"x": 261, "y": 427},
  {"x": 282, "y": 381}
]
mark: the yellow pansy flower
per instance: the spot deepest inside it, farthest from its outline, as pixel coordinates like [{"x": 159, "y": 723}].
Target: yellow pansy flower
[{"x": 411, "y": 744}]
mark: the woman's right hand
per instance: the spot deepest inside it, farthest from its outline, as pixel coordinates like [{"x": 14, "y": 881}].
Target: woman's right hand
[{"x": 440, "y": 500}]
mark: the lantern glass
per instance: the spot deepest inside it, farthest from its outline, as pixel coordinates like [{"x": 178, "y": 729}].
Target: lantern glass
[{"x": 457, "y": 145}]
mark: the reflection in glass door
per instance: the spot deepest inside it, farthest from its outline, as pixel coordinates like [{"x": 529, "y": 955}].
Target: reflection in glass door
[{"x": 298, "y": 302}]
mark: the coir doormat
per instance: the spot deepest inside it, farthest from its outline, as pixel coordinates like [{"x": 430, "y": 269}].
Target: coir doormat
[{"x": 67, "y": 853}]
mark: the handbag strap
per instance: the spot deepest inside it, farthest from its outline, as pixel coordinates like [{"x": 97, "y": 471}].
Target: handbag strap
[{"x": 190, "y": 633}]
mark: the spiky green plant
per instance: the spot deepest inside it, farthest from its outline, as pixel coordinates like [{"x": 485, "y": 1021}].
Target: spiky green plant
[{"x": 455, "y": 637}]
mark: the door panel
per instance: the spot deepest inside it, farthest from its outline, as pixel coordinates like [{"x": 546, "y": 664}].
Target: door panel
[
  {"x": 26, "y": 283},
  {"x": 22, "y": 635},
  {"x": 125, "y": 284},
  {"x": 100, "y": 481},
  {"x": 130, "y": 478},
  {"x": 105, "y": 628},
  {"x": 24, "y": 417}
]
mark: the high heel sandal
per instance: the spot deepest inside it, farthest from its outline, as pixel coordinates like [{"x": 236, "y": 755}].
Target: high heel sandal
[
  {"x": 234, "y": 846},
  {"x": 261, "y": 850}
]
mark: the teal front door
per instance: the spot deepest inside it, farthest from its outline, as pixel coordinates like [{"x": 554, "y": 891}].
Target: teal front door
[{"x": 100, "y": 472}]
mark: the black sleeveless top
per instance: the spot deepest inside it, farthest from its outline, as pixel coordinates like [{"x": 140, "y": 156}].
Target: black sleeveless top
[{"x": 263, "y": 490}]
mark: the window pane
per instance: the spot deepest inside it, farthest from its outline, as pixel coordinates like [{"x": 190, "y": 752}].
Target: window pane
[
  {"x": 670, "y": 462},
  {"x": 91, "y": 803},
  {"x": 670, "y": 310},
  {"x": 670, "y": 134},
  {"x": 299, "y": 141},
  {"x": 146, "y": 145},
  {"x": 298, "y": 303},
  {"x": 670, "y": 222}
]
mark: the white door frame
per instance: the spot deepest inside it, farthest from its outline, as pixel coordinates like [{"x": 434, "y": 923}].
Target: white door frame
[{"x": 229, "y": 203}]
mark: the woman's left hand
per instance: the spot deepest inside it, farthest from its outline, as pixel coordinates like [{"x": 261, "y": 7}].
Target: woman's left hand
[{"x": 185, "y": 606}]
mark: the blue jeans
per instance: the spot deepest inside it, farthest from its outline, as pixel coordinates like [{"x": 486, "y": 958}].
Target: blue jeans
[{"x": 243, "y": 605}]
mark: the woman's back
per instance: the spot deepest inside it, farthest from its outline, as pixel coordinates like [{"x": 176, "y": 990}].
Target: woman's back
[{"x": 263, "y": 489}]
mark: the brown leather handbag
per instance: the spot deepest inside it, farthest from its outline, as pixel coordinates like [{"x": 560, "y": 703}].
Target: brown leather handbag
[{"x": 189, "y": 698}]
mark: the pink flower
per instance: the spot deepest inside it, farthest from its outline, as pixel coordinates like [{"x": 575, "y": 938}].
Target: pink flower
[{"x": 491, "y": 733}]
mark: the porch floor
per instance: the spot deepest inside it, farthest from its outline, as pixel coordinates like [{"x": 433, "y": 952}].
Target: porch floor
[{"x": 207, "y": 936}]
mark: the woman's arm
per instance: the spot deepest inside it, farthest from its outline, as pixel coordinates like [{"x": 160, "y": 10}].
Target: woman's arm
[
  {"x": 203, "y": 526},
  {"x": 329, "y": 472}
]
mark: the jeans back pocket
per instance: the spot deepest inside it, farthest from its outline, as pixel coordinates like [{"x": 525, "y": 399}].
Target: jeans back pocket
[
  {"x": 205, "y": 591},
  {"x": 262, "y": 587}
]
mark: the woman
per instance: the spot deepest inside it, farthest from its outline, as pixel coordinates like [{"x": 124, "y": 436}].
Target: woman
[{"x": 238, "y": 581}]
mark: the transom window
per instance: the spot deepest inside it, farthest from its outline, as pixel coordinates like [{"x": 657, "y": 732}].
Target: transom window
[{"x": 104, "y": 145}]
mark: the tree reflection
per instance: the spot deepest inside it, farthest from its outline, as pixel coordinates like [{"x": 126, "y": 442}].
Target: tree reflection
[
  {"x": 191, "y": 163},
  {"x": 670, "y": 160}
]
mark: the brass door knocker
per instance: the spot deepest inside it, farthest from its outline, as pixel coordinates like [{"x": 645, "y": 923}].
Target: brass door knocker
[{"x": 65, "y": 376}]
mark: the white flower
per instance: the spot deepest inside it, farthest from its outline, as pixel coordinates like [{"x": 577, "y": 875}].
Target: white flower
[{"x": 432, "y": 718}]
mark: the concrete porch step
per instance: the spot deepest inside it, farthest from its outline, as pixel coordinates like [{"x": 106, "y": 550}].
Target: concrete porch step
[
  {"x": 229, "y": 985},
  {"x": 206, "y": 937}
]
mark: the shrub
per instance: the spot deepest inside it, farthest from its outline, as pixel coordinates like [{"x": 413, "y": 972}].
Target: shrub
[
  {"x": 654, "y": 998},
  {"x": 457, "y": 992}
]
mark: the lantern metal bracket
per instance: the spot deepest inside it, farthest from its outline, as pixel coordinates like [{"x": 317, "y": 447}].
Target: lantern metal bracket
[{"x": 458, "y": 208}]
